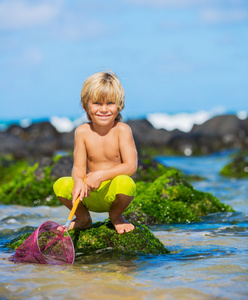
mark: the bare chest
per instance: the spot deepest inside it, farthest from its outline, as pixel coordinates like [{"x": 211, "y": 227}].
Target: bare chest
[{"x": 103, "y": 151}]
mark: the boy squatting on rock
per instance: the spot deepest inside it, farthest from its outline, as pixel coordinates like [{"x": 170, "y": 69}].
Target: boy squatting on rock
[{"x": 105, "y": 157}]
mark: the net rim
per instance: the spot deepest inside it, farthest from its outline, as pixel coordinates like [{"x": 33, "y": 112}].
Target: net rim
[{"x": 36, "y": 235}]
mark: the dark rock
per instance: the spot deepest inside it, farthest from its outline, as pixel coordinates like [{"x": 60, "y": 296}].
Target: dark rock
[
  {"x": 229, "y": 128},
  {"x": 66, "y": 141},
  {"x": 103, "y": 237},
  {"x": 44, "y": 146},
  {"x": 146, "y": 135},
  {"x": 190, "y": 144},
  {"x": 17, "y": 131},
  {"x": 237, "y": 168},
  {"x": 63, "y": 167},
  {"x": 217, "y": 134},
  {"x": 41, "y": 130},
  {"x": 10, "y": 144},
  {"x": 43, "y": 162},
  {"x": 37, "y": 140},
  {"x": 171, "y": 199}
]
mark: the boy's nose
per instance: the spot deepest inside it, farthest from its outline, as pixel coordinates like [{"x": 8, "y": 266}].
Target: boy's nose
[{"x": 104, "y": 107}]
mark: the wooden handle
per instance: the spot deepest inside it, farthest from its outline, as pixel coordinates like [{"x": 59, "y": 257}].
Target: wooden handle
[
  {"x": 72, "y": 213},
  {"x": 73, "y": 210}
]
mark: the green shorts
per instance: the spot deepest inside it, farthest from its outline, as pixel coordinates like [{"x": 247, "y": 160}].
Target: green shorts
[{"x": 101, "y": 199}]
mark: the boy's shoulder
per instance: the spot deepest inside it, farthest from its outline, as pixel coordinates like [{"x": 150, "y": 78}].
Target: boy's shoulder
[
  {"x": 123, "y": 127},
  {"x": 82, "y": 128}
]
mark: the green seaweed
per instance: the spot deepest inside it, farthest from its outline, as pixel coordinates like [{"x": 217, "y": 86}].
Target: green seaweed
[
  {"x": 163, "y": 195},
  {"x": 170, "y": 199},
  {"x": 237, "y": 168},
  {"x": 10, "y": 168},
  {"x": 25, "y": 189},
  {"x": 102, "y": 236}
]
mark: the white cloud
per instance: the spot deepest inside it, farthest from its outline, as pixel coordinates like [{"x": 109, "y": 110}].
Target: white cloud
[
  {"x": 30, "y": 57},
  {"x": 15, "y": 14},
  {"x": 58, "y": 20},
  {"x": 215, "y": 16},
  {"x": 182, "y": 4},
  {"x": 77, "y": 26},
  {"x": 33, "y": 56}
]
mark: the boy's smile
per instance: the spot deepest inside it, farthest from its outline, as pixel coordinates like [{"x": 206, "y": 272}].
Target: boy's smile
[{"x": 103, "y": 113}]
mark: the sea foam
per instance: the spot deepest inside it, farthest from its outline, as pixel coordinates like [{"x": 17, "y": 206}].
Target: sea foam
[
  {"x": 65, "y": 124},
  {"x": 185, "y": 121}
]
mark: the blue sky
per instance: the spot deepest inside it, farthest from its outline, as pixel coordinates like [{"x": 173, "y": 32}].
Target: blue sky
[{"x": 170, "y": 55}]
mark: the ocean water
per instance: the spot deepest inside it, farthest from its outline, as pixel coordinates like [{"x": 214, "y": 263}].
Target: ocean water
[{"x": 208, "y": 260}]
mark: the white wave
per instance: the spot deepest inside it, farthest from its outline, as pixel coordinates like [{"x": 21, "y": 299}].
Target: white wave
[
  {"x": 185, "y": 121},
  {"x": 26, "y": 122},
  {"x": 64, "y": 124},
  {"x": 182, "y": 121},
  {"x": 242, "y": 114}
]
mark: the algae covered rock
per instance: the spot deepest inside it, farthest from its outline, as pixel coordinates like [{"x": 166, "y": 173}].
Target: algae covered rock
[
  {"x": 102, "y": 235},
  {"x": 237, "y": 168},
  {"x": 170, "y": 199},
  {"x": 27, "y": 184},
  {"x": 163, "y": 195}
]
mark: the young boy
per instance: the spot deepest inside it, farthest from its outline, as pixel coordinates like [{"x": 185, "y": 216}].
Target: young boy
[{"x": 105, "y": 157}]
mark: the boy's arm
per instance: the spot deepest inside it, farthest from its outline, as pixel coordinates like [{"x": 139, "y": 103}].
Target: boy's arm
[
  {"x": 128, "y": 166},
  {"x": 79, "y": 166}
]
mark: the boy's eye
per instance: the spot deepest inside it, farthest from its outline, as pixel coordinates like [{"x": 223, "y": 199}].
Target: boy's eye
[{"x": 109, "y": 103}]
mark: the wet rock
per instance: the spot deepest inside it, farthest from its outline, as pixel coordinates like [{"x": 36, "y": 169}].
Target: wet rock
[
  {"x": 171, "y": 199},
  {"x": 237, "y": 168},
  {"x": 102, "y": 236},
  {"x": 148, "y": 169}
]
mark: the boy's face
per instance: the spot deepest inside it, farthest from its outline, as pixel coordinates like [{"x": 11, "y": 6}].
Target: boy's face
[{"x": 103, "y": 113}]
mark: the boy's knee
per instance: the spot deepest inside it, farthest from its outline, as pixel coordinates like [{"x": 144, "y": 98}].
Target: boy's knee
[
  {"x": 125, "y": 185},
  {"x": 63, "y": 187}
]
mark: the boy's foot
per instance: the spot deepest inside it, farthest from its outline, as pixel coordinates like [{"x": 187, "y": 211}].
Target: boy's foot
[
  {"x": 120, "y": 224},
  {"x": 80, "y": 224}
]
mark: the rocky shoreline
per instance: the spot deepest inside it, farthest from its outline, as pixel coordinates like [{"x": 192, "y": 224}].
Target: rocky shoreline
[{"x": 220, "y": 133}]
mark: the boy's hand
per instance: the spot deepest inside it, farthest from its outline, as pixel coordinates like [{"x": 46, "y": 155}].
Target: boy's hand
[
  {"x": 79, "y": 190},
  {"x": 93, "y": 180}
]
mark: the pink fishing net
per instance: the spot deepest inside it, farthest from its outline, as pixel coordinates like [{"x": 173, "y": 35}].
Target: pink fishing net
[{"x": 49, "y": 244}]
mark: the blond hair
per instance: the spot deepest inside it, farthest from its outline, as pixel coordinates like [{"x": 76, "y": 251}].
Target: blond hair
[{"x": 101, "y": 87}]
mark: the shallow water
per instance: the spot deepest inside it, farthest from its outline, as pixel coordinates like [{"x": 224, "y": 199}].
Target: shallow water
[{"x": 209, "y": 259}]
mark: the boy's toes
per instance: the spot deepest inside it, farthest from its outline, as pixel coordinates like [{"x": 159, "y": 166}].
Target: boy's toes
[
  {"x": 120, "y": 231},
  {"x": 130, "y": 227},
  {"x": 126, "y": 227}
]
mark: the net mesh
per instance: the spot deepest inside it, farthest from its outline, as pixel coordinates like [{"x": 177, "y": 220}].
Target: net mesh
[{"x": 48, "y": 244}]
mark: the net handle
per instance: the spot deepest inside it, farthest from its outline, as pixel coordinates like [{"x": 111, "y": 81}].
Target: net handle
[
  {"x": 73, "y": 210},
  {"x": 72, "y": 213}
]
